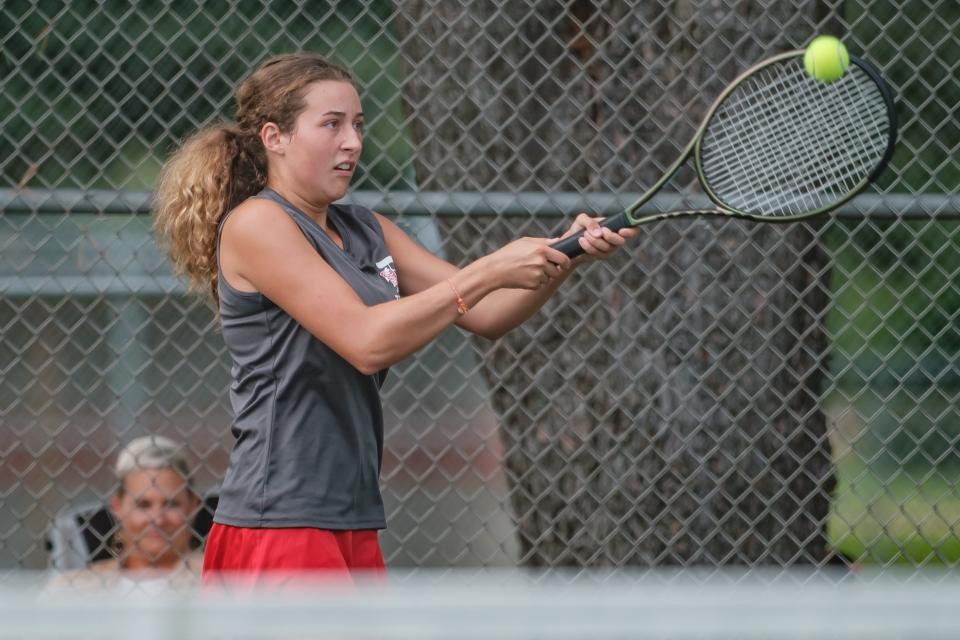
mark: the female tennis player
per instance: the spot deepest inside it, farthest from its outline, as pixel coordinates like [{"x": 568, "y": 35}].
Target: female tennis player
[{"x": 317, "y": 300}]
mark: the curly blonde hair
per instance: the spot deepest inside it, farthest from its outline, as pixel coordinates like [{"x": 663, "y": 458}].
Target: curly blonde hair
[{"x": 219, "y": 167}]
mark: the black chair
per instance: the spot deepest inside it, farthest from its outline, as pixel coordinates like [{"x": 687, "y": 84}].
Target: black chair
[{"x": 84, "y": 534}]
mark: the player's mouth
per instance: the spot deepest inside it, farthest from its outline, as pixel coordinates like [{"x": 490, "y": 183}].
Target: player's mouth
[{"x": 345, "y": 168}]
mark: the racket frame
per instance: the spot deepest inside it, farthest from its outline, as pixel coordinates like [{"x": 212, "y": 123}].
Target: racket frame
[{"x": 628, "y": 217}]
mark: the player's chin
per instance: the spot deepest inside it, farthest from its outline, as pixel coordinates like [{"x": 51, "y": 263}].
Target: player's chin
[{"x": 336, "y": 191}]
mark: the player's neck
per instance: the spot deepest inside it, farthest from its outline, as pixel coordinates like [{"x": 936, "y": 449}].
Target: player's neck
[{"x": 315, "y": 210}]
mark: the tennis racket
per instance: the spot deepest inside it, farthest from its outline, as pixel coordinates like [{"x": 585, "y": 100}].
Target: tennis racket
[{"x": 780, "y": 146}]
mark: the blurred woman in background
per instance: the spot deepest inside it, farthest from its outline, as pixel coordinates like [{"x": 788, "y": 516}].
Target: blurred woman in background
[{"x": 154, "y": 505}]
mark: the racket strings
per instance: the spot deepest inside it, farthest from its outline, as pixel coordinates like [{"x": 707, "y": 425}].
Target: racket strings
[
  {"x": 784, "y": 144},
  {"x": 789, "y": 135},
  {"x": 793, "y": 138},
  {"x": 785, "y": 135},
  {"x": 806, "y": 159},
  {"x": 803, "y": 145},
  {"x": 855, "y": 158}
]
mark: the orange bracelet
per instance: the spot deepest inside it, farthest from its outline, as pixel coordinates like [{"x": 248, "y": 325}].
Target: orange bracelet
[{"x": 462, "y": 307}]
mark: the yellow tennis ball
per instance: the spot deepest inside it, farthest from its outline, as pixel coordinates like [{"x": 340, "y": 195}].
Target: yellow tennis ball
[{"x": 826, "y": 58}]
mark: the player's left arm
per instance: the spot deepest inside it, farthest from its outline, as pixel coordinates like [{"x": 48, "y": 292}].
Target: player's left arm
[{"x": 504, "y": 309}]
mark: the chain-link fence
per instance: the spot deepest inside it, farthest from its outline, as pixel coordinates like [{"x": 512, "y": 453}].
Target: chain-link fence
[{"x": 723, "y": 393}]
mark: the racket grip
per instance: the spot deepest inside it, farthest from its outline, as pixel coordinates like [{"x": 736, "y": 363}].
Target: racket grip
[{"x": 571, "y": 246}]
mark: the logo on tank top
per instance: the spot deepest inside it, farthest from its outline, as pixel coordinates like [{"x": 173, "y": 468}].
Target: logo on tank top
[{"x": 388, "y": 273}]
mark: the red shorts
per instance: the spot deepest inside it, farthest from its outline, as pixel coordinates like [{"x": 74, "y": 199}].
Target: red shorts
[{"x": 270, "y": 555}]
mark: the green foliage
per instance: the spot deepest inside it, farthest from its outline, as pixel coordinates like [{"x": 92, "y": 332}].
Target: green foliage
[
  {"x": 96, "y": 94},
  {"x": 917, "y": 46},
  {"x": 895, "y": 337},
  {"x": 895, "y": 322},
  {"x": 896, "y": 517}
]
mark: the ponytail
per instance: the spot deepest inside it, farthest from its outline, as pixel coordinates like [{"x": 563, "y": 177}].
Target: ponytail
[{"x": 214, "y": 171}]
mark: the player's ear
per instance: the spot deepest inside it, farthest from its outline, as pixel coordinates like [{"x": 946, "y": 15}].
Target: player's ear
[{"x": 273, "y": 139}]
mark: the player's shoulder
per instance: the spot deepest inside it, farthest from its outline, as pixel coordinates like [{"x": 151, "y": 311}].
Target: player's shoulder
[
  {"x": 255, "y": 210},
  {"x": 249, "y": 219},
  {"x": 382, "y": 219}
]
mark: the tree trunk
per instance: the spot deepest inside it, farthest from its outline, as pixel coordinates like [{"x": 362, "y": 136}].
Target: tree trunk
[{"x": 664, "y": 407}]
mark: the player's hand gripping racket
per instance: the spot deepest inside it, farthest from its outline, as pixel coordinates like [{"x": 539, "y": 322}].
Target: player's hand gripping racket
[{"x": 779, "y": 145}]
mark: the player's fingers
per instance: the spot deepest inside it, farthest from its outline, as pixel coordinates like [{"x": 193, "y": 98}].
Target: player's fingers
[
  {"x": 595, "y": 246},
  {"x": 590, "y": 225},
  {"x": 613, "y": 238},
  {"x": 603, "y": 248},
  {"x": 604, "y": 240},
  {"x": 556, "y": 257}
]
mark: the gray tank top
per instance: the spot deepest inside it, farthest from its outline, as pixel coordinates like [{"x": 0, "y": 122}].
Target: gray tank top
[{"x": 309, "y": 427}]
